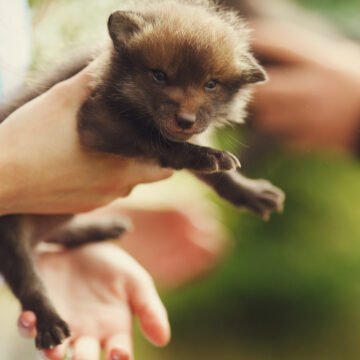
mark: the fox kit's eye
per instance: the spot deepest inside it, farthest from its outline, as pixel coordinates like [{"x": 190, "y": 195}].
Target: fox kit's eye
[
  {"x": 159, "y": 76},
  {"x": 211, "y": 85}
]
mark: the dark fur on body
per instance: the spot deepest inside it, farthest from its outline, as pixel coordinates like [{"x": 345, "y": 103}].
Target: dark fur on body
[{"x": 132, "y": 114}]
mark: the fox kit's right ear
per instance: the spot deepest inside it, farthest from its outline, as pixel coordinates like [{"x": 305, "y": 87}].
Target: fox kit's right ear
[
  {"x": 123, "y": 24},
  {"x": 252, "y": 71}
]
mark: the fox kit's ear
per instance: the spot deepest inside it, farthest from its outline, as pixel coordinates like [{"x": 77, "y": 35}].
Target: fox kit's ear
[
  {"x": 252, "y": 72},
  {"x": 123, "y": 24}
]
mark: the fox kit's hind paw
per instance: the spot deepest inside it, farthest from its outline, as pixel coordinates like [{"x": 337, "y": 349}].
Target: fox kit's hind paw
[
  {"x": 263, "y": 198},
  {"x": 51, "y": 331},
  {"x": 84, "y": 229},
  {"x": 258, "y": 196}
]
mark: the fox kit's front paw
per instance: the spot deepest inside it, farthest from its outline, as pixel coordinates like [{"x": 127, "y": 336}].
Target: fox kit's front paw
[
  {"x": 263, "y": 198},
  {"x": 51, "y": 331},
  {"x": 218, "y": 161}
]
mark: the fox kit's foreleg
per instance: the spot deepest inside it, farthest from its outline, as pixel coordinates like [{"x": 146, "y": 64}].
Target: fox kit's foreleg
[{"x": 258, "y": 196}]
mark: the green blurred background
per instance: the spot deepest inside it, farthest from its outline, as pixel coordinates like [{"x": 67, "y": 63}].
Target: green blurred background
[{"x": 290, "y": 289}]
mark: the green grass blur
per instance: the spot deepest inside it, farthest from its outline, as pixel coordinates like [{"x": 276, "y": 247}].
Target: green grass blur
[
  {"x": 344, "y": 13},
  {"x": 290, "y": 289}
]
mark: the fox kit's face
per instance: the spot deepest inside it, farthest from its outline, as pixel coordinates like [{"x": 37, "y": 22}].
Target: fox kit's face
[{"x": 182, "y": 73}]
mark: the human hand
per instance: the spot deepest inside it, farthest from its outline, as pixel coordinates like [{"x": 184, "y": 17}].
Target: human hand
[
  {"x": 313, "y": 97},
  {"x": 97, "y": 291},
  {"x": 44, "y": 169},
  {"x": 174, "y": 245}
]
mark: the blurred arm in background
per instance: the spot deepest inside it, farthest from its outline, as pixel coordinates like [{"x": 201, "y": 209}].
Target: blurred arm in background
[{"x": 312, "y": 100}]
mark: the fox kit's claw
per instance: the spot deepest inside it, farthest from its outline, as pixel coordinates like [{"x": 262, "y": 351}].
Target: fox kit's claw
[
  {"x": 218, "y": 161},
  {"x": 237, "y": 164}
]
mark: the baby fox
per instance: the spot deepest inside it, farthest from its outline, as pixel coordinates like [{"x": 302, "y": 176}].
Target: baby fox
[{"x": 172, "y": 70}]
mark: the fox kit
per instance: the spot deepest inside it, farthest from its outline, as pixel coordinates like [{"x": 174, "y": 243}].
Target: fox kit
[{"x": 171, "y": 71}]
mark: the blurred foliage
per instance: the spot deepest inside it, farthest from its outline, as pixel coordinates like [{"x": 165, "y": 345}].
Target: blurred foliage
[
  {"x": 345, "y": 13},
  {"x": 290, "y": 287}
]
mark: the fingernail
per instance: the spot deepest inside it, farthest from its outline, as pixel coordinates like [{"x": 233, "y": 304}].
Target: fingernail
[
  {"x": 25, "y": 324},
  {"x": 115, "y": 355}
]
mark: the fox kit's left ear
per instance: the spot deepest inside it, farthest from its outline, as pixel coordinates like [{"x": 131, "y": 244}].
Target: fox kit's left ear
[
  {"x": 252, "y": 72},
  {"x": 123, "y": 24}
]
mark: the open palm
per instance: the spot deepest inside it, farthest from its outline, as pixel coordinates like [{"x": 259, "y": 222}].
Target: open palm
[{"x": 97, "y": 289}]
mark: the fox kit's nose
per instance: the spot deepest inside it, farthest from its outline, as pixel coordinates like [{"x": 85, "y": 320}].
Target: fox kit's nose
[{"x": 185, "y": 120}]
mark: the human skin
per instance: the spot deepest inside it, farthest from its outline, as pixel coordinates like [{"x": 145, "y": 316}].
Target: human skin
[
  {"x": 312, "y": 100},
  {"x": 99, "y": 289},
  {"x": 175, "y": 243},
  {"x": 43, "y": 167},
  {"x": 174, "y": 246},
  {"x": 52, "y": 105},
  {"x": 302, "y": 78}
]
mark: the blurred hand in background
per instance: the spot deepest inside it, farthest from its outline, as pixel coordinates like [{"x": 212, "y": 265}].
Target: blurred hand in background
[
  {"x": 312, "y": 100},
  {"x": 175, "y": 246}
]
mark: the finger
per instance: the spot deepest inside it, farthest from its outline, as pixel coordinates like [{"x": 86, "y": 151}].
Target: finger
[
  {"x": 27, "y": 324},
  {"x": 119, "y": 347},
  {"x": 146, "y": 303},
  {"x": 86, "y": 348},
  {"x": 57, "y": 353}
]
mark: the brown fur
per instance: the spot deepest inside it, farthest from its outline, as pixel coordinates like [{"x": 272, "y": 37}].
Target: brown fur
[
  {"x": 192, "y": 44},
  {"x": 132, "y": 114}
]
